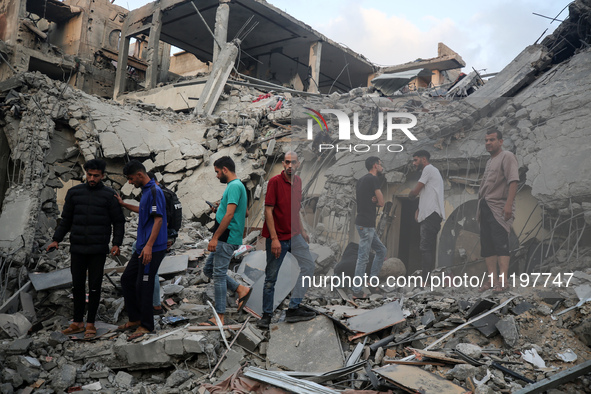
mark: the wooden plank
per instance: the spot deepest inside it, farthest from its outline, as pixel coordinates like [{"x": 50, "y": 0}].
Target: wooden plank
[
  {"x": 401, "y": 362},
  {"x": 419, "y": 354}
]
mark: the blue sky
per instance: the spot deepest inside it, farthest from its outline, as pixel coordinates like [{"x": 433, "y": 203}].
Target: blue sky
[{"x": 487, "y": 34}]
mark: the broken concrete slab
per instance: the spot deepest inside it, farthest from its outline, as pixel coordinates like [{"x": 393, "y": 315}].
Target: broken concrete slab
[
  {"x": 51, "y": 280},
  {"x": 231, "y": 361},
  {"x": 124, "y": 380},
  {"x": 508, "y": 329},
  {"x": 194, "y": 343},
  {"x": 137, "y": 354},
  {"x": 522, "y": 308},
  {"x": 112, "y": 145},
  {"x": 173, "y": 345},
  {"x": 414, "y": 379},
  {"x": 377, "y": 319},
  {"x": 174, "y": 264},
  {"x": 14, "y": 220},
  {"x": 14, "y": 325},
  {"x": 479, "y": 306},
  {"x": 487, "y": 325},
  {"x": 550, "y": 297},
  {"x": 286, "y": 280},
  {"x": 250, "y": 337},
  {"x": 310, "y": 346}
]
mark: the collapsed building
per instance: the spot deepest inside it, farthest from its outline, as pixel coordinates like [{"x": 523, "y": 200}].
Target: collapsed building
[{"x": 67, "y": 100}]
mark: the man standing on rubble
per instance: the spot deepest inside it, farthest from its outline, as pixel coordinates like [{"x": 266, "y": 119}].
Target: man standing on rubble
[
  {"x": 369, "y": 196},
  {"x": 431, "y": 209},
  {"x": 285, "y": 233},
  {"x": 496, "y": 208},
  {"x": 227, "y": 237},
  {"x": 90, "y": 211},
  {"x": 138, "y": 278}
]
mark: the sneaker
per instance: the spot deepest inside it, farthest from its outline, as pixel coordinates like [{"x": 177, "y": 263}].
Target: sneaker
[
  {"x": 264, "y": 322},
  {"x": 299, "y": 314},
  {"x": 159, "y": 311}
]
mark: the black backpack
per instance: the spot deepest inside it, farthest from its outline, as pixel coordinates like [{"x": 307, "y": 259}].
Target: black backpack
[{"x": 174, "y": 211}]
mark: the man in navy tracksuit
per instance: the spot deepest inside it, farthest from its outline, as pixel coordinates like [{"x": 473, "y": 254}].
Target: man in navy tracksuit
[{"x": 137, "y": 280}]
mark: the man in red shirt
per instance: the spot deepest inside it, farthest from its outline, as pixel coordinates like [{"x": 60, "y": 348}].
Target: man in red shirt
[{"x": 284, "y": 232}]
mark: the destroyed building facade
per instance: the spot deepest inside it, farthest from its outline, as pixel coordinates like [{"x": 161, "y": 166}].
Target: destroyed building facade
[{"x": 60, "y": 71}]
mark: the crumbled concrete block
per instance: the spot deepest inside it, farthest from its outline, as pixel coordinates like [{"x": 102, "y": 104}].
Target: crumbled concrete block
[
  {"x": 6, "y": 388},
  {"x": 250, "y": 337},
  {"x": 231, "y": 360},
  {"x": 57, "y": 338},
  {"x": 99, "y": 374},
  {"x": 137, "y": 354},
  {"x": 176, "y": 166},
  {"x": 469, "y": 349},
  {"x": 20, "y": 346},
  {"x": 63, "y": 377},
  {"x": 306, "y": 346},
  {"x": 170, "y": 178},
  {"x": 123, "y": 379},
  {"x": 173, "y": 345},
  {"x": 172, "y": 289},
  {"x": 194, "y": 343},
  {"x": 508, "y": 329},
  {"x": 461, "y": 372},
  {"x": 583, "y": 331},
  {"x": 178, "y": 377}
]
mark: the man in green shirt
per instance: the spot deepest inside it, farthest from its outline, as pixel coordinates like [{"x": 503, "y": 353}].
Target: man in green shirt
[{"x": 227, "y": 237}]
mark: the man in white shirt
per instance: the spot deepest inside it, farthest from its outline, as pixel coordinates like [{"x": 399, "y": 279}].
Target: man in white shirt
[{"x": 431, "y": 209}]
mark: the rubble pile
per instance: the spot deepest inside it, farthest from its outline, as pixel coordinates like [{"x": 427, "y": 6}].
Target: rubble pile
[
  {"x": 510, "y": 340},
  {"x": 403, "y": 338}
]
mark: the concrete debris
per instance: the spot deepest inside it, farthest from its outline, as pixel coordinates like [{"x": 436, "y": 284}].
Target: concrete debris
[
  {"x": 427, "y": 338},
  {"x": 311, "y": 346}
]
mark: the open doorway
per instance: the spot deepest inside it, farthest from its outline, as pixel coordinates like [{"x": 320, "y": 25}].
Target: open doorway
[{"x": 408, "y": 250}]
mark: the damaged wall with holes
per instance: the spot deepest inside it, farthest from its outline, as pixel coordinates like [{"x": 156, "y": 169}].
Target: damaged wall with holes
[
  {"x": 539, "y": 102},
  {"x": 74, "y": 41}
]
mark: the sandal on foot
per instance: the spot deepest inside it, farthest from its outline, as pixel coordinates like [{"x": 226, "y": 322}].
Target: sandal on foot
[
  {"x": 90, "y": 333},
  {"x": 242, "y": 300},
  {"x": 73, "y": 329},
  {"x": 360, "y": 296},
  {"x": 485, "y": 287},
  {"x": 127, "y": 326},
  {"x": 140, "y": 332},
  {"x": 208, "y": 323}
]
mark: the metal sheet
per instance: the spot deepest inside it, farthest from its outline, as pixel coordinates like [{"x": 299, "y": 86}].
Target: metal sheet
[
  {"x": 377, "y": 319},
  {"x": 287, "y": 382},
  {"x": 415, "y": 379}
]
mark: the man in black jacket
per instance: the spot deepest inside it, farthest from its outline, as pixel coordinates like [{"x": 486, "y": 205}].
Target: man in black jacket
[{"x": 90, "y": 211}]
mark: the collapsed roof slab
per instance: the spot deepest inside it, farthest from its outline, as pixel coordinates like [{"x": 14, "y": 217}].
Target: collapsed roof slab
[
  {"x": 277, "y": 35},
  {"x": 53, "y": 10},
  {"x": 447, "y": 59}
]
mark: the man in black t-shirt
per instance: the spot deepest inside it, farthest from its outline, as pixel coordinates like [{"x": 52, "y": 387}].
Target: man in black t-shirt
[{"x": 369, "y": 196}]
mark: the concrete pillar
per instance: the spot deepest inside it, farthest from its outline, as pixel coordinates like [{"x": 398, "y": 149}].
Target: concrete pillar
[
  {"x": 153, "y": 53},
  {"x": 314, "y": 64},
  {"x": 222, "y": 16},
  {"x": 121, "y": 75},
  {"x": 217, "y": 79}
]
